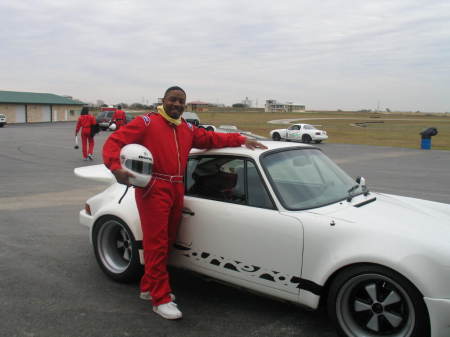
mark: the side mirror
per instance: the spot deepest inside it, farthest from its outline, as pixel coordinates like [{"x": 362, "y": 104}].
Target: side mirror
[{"x": 361, "y": 181}]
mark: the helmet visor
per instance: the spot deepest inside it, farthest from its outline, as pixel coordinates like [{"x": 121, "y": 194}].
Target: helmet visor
[{"x": 139, "y": 166}]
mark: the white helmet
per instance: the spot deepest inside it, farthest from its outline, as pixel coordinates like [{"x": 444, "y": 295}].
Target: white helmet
[
  {"x": 137, "y": 160},
  {"x": 112, "y": 126}
]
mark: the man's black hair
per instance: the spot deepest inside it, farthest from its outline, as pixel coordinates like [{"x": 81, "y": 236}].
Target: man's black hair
[
  {"x": 119, "y": 107},
  {"x": 174, "y": 88},
  {"x": 84, "y": 111}
]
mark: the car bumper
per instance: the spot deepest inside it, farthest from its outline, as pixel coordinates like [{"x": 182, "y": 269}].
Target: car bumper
[
  {"x": 86, "y": 219},
  {"x": 104, "y": 124},
  {"x": 320, "y": 137},
  {"x": 439, "y": 310}
]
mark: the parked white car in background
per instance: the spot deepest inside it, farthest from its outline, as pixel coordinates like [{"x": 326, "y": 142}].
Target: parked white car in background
[
  {"x": 305, "y": 133},
  {"x": 289, "y": 223},
  {"x": 2, "y": 120}
]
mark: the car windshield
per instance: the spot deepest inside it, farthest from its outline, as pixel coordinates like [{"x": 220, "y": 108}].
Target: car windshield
[{"x": 306, "y": 178}]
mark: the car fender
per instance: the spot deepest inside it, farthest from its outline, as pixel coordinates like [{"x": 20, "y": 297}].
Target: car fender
[
  {"x": 107, "y": 203},
  {"x": 334, "y": 244},
  {"x": 282, "y": 132}
]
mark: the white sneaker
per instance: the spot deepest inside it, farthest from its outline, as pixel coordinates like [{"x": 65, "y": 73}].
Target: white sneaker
[
  {"x": 146, "y": 296},
  {"x": 168, "y": 310}
]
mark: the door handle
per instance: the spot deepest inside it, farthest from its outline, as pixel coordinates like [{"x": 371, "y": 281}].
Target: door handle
[{"x": 187, "y": 211}]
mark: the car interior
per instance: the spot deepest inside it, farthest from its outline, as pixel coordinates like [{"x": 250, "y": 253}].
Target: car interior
[{"x": 228, "y": 179}]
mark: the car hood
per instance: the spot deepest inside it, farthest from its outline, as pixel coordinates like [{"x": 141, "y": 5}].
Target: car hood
[{"x": 393, "y": 213}]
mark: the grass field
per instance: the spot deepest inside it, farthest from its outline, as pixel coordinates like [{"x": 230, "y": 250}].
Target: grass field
[{"x": 393, "y": 129}]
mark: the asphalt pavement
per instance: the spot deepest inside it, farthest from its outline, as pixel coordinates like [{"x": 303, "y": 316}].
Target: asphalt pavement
[{"x": 51, "y": 286}]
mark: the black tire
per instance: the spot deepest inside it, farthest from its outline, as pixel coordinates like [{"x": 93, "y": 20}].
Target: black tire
[
  {"x": 306, "y": 139},
  {"x": 276, "y": 136},
  {"x": 317, "y": 141},
  {"x": 116, "y": 250},
  {"x": 209, "y": 128},
  {"x": 374, "y": 301}
]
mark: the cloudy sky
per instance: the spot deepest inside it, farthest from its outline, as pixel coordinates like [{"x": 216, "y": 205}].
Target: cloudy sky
[{"x": 328, "y": 54}]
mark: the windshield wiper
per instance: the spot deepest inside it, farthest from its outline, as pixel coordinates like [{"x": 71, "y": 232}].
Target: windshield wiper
[{"x": 350, "y": 190}]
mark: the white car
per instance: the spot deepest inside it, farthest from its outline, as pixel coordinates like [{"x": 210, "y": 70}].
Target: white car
[
  {"x": 289, "y": 223},
  {"x": 2, "y": 120},
  {"x": 191, "y": 117},
  {"x": 305, "y": 133}
]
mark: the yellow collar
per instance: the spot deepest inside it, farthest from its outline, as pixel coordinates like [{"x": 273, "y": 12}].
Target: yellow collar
[{"x": 163, "y": 113}]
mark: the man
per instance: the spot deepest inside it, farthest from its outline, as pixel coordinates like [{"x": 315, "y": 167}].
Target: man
[
  {"x": 119, "y": 117},
  {"x": 169, "y": 138}
]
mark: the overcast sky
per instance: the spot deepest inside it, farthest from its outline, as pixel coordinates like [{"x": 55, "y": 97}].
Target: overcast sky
[{"x": 328, "y": 54}]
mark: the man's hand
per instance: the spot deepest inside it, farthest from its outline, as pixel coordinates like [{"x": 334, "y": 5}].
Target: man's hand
[
  {"x": 253, "y": 144},
  {"x": 122, "y": 176}
]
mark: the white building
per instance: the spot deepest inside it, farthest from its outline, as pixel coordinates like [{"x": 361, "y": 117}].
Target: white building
[{"x": 273, "y": 106}]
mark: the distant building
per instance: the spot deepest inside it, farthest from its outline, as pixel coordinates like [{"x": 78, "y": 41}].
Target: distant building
[
  {"x": 274, "y": 106},
  {"x": 197, "y": 106},
  {"x": 31, "y": 107},
  {"x": 247, "y": 102}
]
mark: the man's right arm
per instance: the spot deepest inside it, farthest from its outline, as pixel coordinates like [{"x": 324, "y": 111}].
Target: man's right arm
[{"x": 129, "y": 134}]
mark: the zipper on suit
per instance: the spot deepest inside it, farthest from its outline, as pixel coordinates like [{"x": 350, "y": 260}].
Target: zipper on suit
[{"x": 178, "y": 151}]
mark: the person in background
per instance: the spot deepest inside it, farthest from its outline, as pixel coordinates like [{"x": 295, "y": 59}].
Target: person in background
[
  {"x": 169, "y": 138},
  {"x": 119, "y": 117},
  {"x": 85, "y": 122}
]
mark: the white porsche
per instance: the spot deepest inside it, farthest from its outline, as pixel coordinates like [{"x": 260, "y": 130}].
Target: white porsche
[
  {"x": 304, "y": 133},
  {"x": 289, "y": 223}
]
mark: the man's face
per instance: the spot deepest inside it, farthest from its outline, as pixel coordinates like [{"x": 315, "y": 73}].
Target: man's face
[{"x": 174, "y": 103}]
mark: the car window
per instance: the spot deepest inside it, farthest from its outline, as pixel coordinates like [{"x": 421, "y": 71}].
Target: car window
[
  {"x": 110, "y": 114},
  {"x": 227, "y": 179},
  {"x": 309, "y": 127},
  {"x": 257, "y": 193},
  {"x": 294, "y": 127}
]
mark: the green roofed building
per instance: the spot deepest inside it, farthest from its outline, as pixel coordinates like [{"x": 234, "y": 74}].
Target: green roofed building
[{"x": 33, "y": 107}]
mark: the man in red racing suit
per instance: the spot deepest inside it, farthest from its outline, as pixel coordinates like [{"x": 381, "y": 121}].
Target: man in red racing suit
[
  {"x": 85, "y": 122},
  {"x": 169, "y": 138},
  {"x": 119, "y": 117}
]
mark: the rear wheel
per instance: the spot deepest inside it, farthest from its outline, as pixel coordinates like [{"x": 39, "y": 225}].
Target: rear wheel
[
  {"x": 116, "y": 250},
  {"x": 317, "y": 141},
  {"x": 276, "y": 136},
  {"x": 374, "y": 301},
  {"x": 306, "y": 139}
]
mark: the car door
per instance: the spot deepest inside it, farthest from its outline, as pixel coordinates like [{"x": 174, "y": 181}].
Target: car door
[
  {"x": 293, "y": 132},
  {"x": 231, "y": 229}
]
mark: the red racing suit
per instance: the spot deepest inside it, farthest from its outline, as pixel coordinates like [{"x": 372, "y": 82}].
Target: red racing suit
[
  {"x": 161, "y": 202},
  {"x": 85, "y": 122},
  {"x": 119, "y": 118}
]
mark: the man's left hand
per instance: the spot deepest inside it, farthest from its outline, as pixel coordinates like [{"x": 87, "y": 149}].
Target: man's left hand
[{"x": 253, "y": 144}]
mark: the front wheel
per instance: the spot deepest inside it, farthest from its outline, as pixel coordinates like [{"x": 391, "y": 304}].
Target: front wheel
[
  {"x": 374, "y": 301},
  {"x": 116, "y": 250},
  {"x": 276, "y": 136}
]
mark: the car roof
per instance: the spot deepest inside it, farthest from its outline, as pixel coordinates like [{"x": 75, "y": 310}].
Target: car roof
[{"x": 244, "y": 151}]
